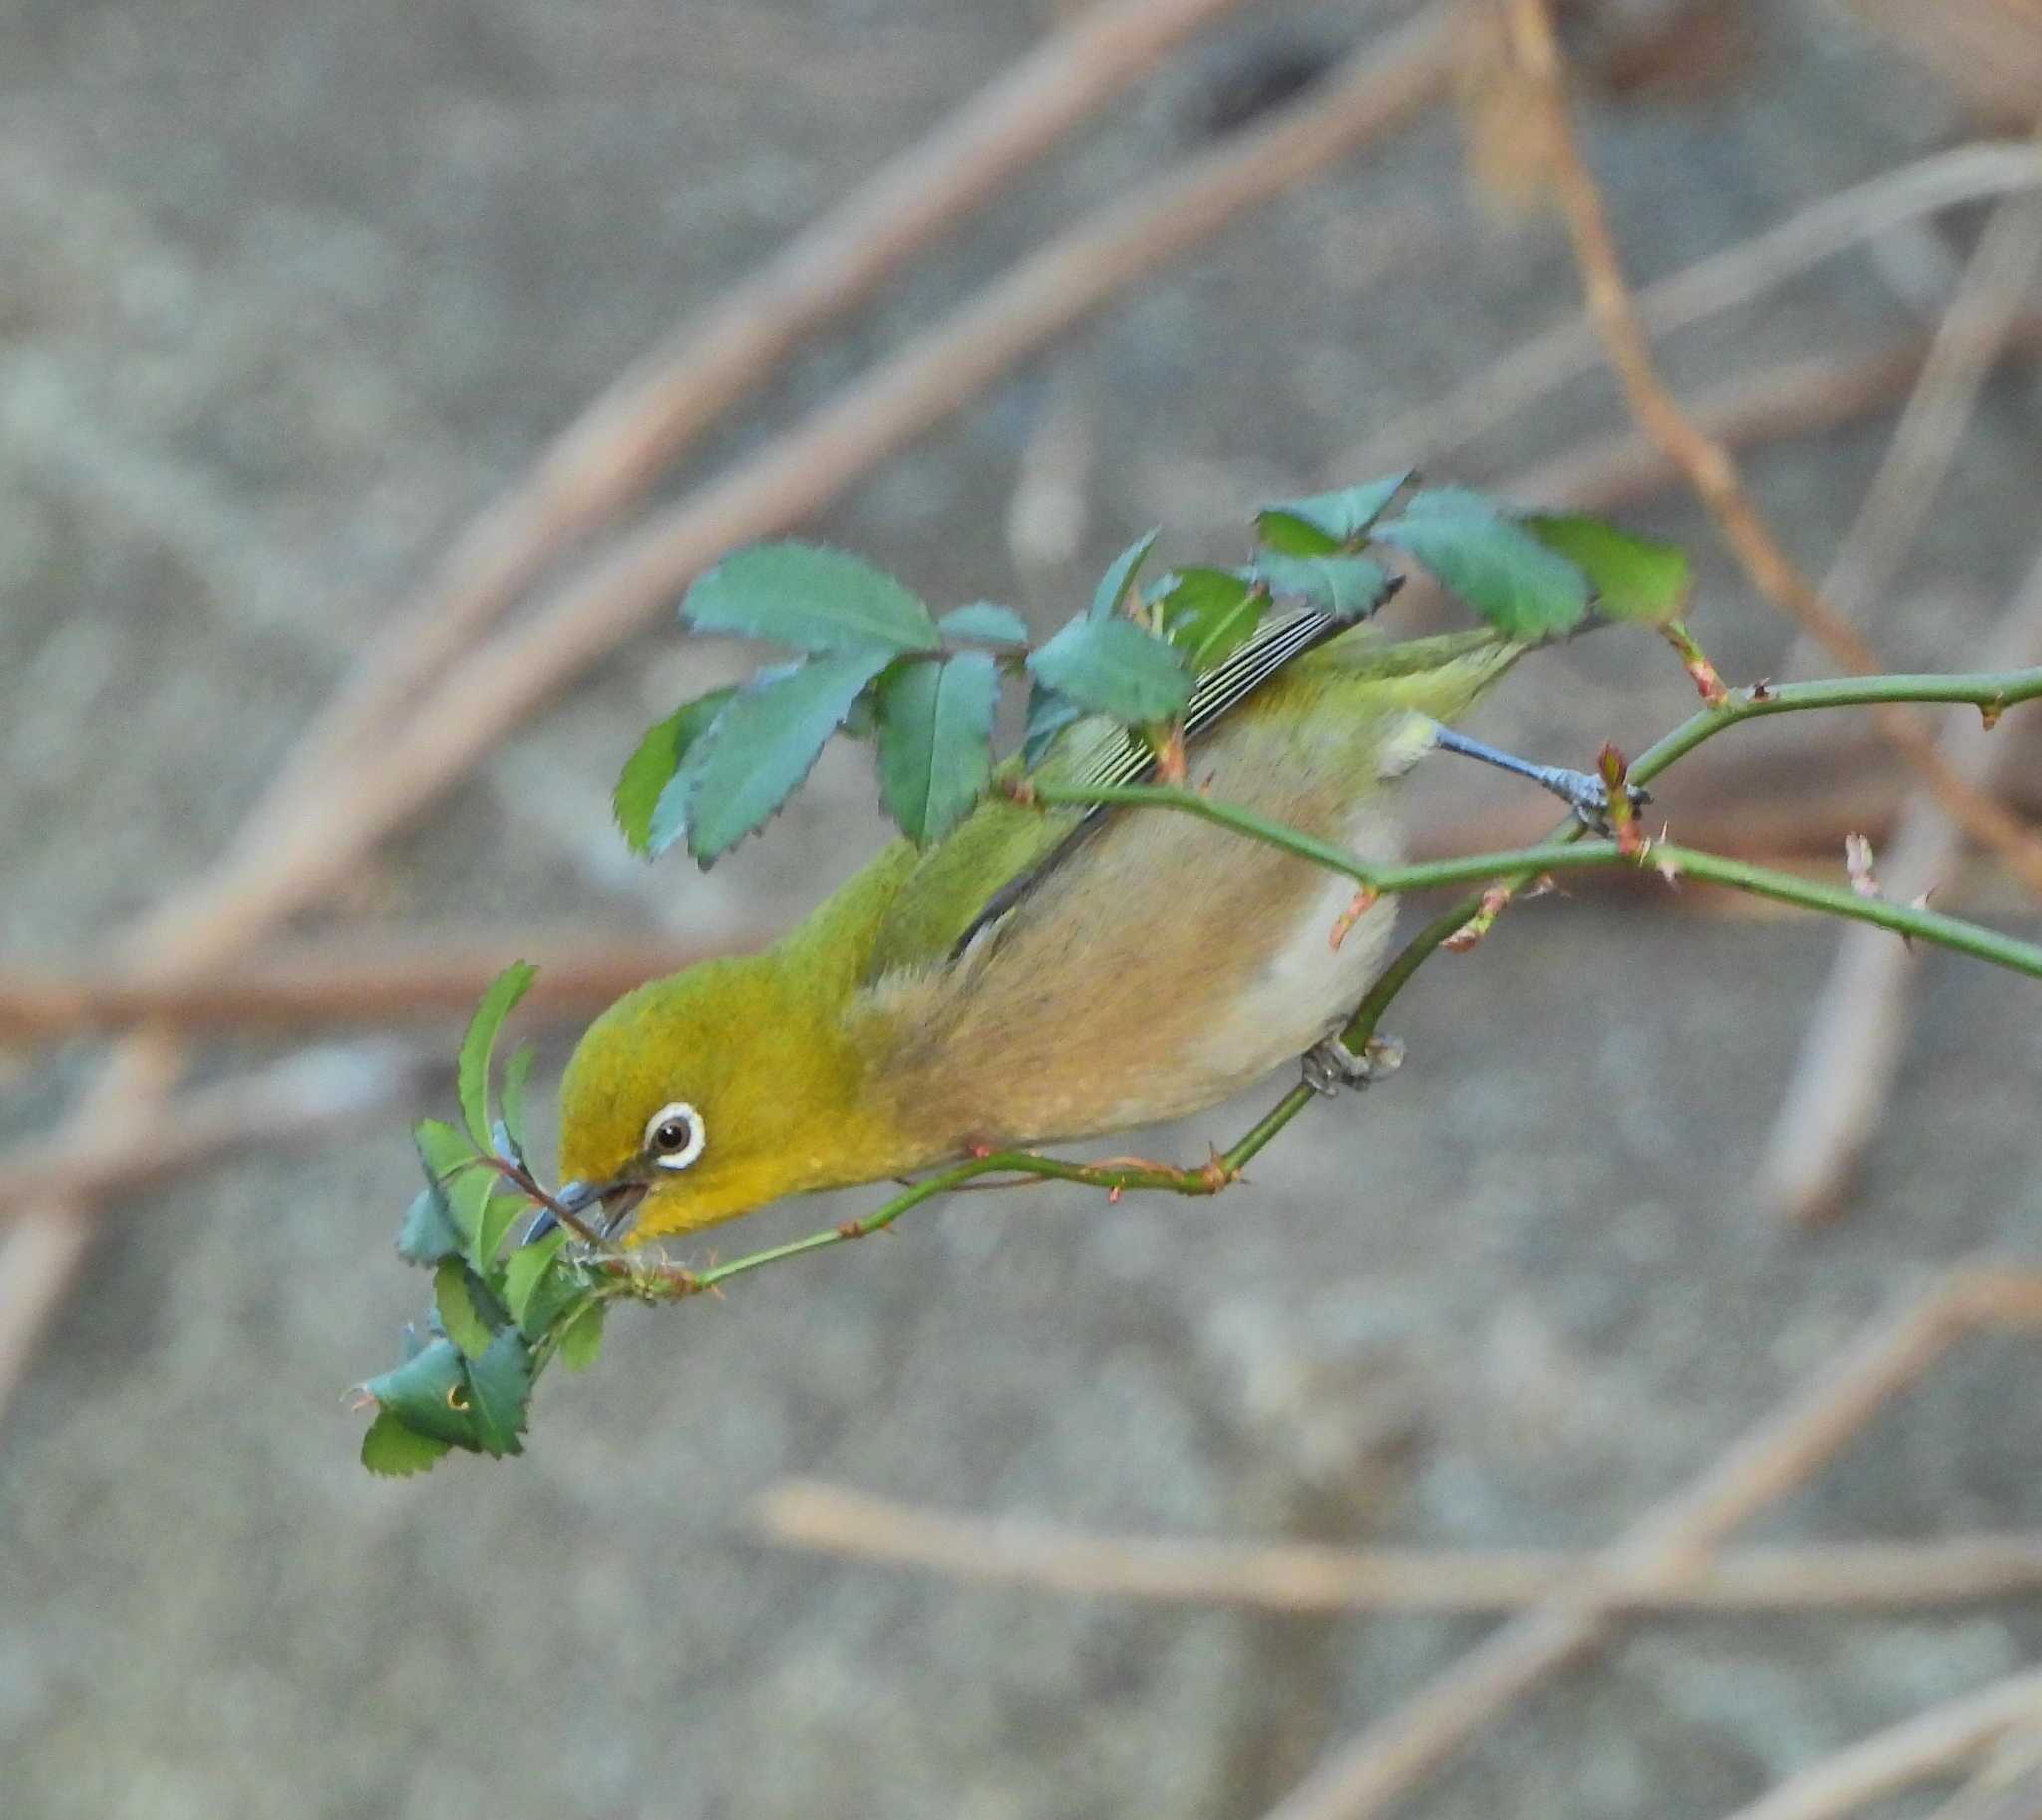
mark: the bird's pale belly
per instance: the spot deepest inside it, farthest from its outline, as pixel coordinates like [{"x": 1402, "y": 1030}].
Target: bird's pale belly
[{"x": 1166, "y": 965}]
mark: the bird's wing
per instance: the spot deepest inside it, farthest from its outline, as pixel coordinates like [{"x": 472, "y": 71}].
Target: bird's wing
[{"x": 975, "y": 877}]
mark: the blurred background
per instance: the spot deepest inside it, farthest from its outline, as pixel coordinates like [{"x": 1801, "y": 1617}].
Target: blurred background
[{"x": 296, "y": 301}]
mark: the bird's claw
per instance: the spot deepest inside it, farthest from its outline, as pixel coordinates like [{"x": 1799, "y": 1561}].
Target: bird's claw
[
  {"x": 1588, "y": 796},
  {"x": 1330, "y": 1065}
]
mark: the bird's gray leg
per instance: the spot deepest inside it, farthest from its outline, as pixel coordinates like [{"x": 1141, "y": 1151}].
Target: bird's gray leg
[
  {"x": 1583, "y": 792},
  {"x": 1330, "y": 1065}
]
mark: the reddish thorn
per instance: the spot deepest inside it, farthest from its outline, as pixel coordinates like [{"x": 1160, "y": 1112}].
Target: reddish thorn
[
  {"x": 1357, "y": 908},
  {"x": 1112, "y": 1196}
]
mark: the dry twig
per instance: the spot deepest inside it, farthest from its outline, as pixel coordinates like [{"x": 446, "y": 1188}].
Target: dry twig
[
  {"x": 1800, "y": 398},
  {"x": 1536, "y": 369},
  {"x": 259, "y": 884},
  {"x": 1851, "y": 1050},
  {"x": 326, "y": 985},
  {"x": 298, "y": 1102},
  {"x": 1934, "y": 1744},
  {"x": 1710, "y": 469},
  {"x": 609, "y": 455},
  {"x": 1302, "y": 1576},
  {"x": 1386, "y": 1761}
]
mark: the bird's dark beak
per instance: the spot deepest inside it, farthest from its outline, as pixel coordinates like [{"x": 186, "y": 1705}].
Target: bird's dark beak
[{"x": 614, "y": 1204}]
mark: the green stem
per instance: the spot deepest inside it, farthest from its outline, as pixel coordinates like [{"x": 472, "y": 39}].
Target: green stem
[{"x": 1564, "y": 851}]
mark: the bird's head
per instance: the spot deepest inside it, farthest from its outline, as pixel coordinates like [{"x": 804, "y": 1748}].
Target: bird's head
[{"x": 707, "y": 1094}]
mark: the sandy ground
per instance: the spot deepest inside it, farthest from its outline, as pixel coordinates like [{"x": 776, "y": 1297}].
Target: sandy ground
[{"x": 290, "y": 289}]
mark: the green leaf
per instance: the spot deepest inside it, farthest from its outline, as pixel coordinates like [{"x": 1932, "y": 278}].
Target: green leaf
[
  {"x": 1048, "y": 715},
  {"x": 582, "y": 1342},
  {"x": 441, "y": 1149},
  {"x": 935, "y": 742},
  {"x": 554, "y": 1298},
  {"x": 500, "y": 1212},
  {"x": 1501, "y": 570},
  {"x": 1634, "y": 578},
  {"x": 523, "y": 1268},
  {"x": 511, "y": 1094},
  {"x": 429, "y": 1233},
  {"x": 1120, "y": 577},
  {"x": 458, "y": 1314},
  {"x": 1341, "y": 588},
  {"x": 500, "y": 1383},
  {"x": 648, "y": 770},
  {"x": 473, "y": 1076},
  {"x": 762, "y": 746},
  {"x": 1325, "y": 523},
  {"x": 813, "y": 599},
  {"x": 466, "y": 1196},
  {"x": 396, "y": 1451},
  {"x": 429, "y": 1393},
  {"x": 986, "y": 622},
  {"x": 1112, "y": 666},
  {"x": 1208, "y": 614}
]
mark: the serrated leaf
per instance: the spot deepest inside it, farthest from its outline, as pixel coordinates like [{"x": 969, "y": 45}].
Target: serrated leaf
[
  {"x": 555, "y": 1297},
  {"x": 500, "y": 1212},
  {"x": 394, "y": 1452},
  {"x": 762, "y": 744},
  {"x": 458, "y": 1314},
  {"x": 429, "y": 1393},
  {"x": 472, "y": 1079},
  {"x": 649, "y": 769},
  {"x": 813, "y": 599},
  {"x": 1341, "y": 588},
  {"x": 1208, "y": 614},
  {"x": 500, "y": 1383},
  {"x": 523, "y": 1268},
  {"x": 935, "y": 742},
  {"x": 441, "y": 1149},
  {"x": 1112, "y": 666},
  {"x": 510, "y": 1095},
  {"x": 1048, "y": 715},
  {"x": 1120, "y": 577},
  {"x": 581, "y": 1343},
  {"x": 429, "y": 1233},
  {"x": 1501, "y": 570},
  {"x": 467, "y": 1194},
  {"x": 986, "y": 622},
  {"x": 1634, "y": 577},
  {"x": 1325, "y": 523}
]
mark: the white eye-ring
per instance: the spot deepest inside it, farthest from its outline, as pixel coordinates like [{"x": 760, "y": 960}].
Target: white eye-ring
[{"x": 674, "y": 1135}]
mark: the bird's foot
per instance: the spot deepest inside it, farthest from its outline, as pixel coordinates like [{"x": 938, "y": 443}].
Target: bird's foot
[
  {"x": 1330, "y": 1065},
  {"x": 1588, "y": 796}
]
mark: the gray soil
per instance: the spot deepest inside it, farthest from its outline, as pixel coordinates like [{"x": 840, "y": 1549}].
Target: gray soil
[{"x": 288, "y": 291}]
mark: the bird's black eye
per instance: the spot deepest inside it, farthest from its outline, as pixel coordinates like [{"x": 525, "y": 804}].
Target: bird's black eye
[{"x": 674, "y": 1136}]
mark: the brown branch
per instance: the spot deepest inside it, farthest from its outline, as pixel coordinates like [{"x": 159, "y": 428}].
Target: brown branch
[
  {"x": 613, "y": 453},
  {"x": 1387, "y": 1760},
  {"x": 1799, "y": 398},
  {"x": 1302, "y": 1576},
  {"x": 260, "y": 883},
  {"x": 1851, "y": 1052},
  {"x": 1710, "y": 467},
  {"x": 298, "y": 1102},
  {"x": 327, "y": 985},
  {"x": 1981, "y": 314},
  {"x": 1372, "y": 93},
  {"x": 1537, "y": 368},
  {"x": 1932, "y": 1744}
]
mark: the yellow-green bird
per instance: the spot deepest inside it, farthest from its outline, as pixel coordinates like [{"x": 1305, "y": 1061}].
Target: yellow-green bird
[{"x": 1039, "y": 974}]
